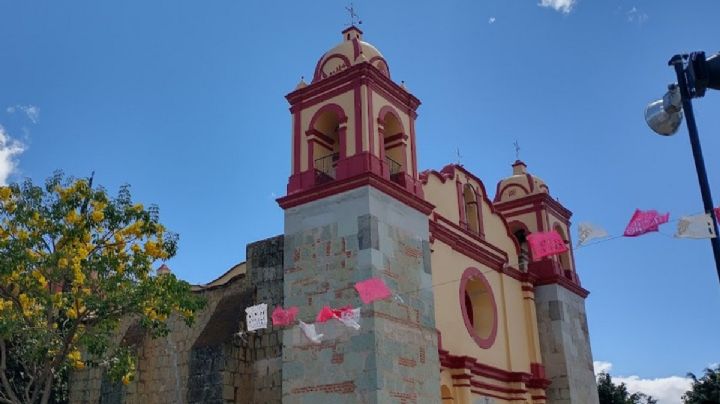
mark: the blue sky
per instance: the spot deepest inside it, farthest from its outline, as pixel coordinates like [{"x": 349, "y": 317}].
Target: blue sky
[{"x": 185, "y": 101}]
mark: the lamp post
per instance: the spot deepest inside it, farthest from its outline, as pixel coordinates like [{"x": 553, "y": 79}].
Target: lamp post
[{"x": 694, "y": 75}]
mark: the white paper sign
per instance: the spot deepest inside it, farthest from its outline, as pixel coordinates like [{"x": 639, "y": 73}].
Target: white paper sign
[
  {"x": 351, "y": 318},
  {"x": 588, "y": 231},
  {"x": 256, "y": 317},
  {"x": 310, "y": 333},
  {"x": 698, "y": 226}
]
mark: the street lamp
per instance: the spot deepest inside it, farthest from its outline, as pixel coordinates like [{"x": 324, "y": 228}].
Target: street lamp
[{"x": 695, "y": 74}]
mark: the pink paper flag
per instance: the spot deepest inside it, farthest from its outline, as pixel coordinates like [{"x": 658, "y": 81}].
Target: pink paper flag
[
  {"x": 282, "y": 317},
  {"x": 717, "y": 213},
  {"x": 372, "y": 289},
  {"x": 326, "y": 313},
  {"x": 644, "y": 222},
  {"x": 544, "y": 244}
]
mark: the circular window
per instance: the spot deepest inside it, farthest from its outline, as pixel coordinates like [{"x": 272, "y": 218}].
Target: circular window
[{"x": 478, "y": 307}]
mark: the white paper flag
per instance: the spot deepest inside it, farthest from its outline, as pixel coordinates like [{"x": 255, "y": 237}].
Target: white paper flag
[
  {"x": 256, "y": 317},
  {"x": 697, "y": 226},
  {"x": 351, "y": 318},
  {"x": 588, "y": 231},
  {"x": 310, "y": 333}
]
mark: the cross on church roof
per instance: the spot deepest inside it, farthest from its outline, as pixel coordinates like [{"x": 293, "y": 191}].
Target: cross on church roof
[
  {"x": 517, "y": 149},
  {"x": 353, "y": 15}
]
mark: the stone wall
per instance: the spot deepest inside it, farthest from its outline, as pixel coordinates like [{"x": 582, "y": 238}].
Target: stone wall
[
  {"x": 208, "y": 362},
  {"x": 331, "y": 244},
  {"x": 565, "y": 346}
]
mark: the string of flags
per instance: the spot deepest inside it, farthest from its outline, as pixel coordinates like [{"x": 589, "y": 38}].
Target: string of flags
[
  {"x": 369, "y": 290},
  {"x": 542, "y": 245}
]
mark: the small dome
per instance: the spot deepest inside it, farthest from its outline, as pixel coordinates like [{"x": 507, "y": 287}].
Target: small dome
[
  {"x": 520, "y": 184},
  {"x": 351, "y": 51}
]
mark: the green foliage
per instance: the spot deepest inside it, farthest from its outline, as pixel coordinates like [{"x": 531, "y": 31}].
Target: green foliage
[
  {"x": 73, "y": 263},
  {"x": 705, "y": 390},
  {"x": 610, "y": 393}
]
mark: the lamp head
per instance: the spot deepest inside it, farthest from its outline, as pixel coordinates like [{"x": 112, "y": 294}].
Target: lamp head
[{"x": 664, "y": 116}]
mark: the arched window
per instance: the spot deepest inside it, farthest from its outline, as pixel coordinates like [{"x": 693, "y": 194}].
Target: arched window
[{"x": 472, "y": 213}]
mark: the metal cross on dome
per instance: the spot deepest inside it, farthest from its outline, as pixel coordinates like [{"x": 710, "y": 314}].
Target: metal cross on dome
[
  {"x": 353, "y": 15},
  {"x": 517, "y": 149}
]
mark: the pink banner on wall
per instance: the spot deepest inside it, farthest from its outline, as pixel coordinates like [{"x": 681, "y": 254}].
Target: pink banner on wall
[
  {"x": 545, "y": 244},
  {"x": 644, "y": 222},
  {"x": 372, "y": 289},
  {"x": 282, "y": 317}
]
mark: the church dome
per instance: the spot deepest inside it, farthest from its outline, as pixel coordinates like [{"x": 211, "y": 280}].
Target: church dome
[
  {"x": 351, "y": 51},
  {"x": 520, "y": 184}
]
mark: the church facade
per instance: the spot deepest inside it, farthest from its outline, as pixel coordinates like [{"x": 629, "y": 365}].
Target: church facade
[{"x": 473, "y": 319}]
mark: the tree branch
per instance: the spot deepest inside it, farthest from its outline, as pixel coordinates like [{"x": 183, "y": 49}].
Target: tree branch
[{"x": 3, "y": 375}]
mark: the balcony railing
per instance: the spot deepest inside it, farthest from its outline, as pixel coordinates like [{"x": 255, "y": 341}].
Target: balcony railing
[
  {"x": 393, "y": 166},
  {"x": 325, "y": 166}
]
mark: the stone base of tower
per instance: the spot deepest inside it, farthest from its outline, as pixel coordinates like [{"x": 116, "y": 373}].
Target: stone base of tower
[
  {"x": 565, "y": 346},
  {"x": 330, "y": 244}
]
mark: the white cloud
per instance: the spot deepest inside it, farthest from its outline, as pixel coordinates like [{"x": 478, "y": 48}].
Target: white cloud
[
  {"x": 491, "y": 20},
  {"x": 601, "y": 367},
  {"x": 31, "y": 111},
  {"x": 667, "y": 390},
  {"x": 9, "y": 149},
  {"x": 564, "y": 6},
  {"x": 635, "y": 15}
]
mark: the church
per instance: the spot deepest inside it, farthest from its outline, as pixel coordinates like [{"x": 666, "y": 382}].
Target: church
[{"x": 473, "y": 318}]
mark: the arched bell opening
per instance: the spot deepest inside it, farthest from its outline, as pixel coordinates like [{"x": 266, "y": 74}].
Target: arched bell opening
[
  {"x": 393, "y": 146},
  {"x": 325, "y": 139},
  {"x": 520, "y": 232}
]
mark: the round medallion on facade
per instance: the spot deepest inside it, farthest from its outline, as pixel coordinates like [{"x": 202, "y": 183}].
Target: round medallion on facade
[{"x": 478, "y": 306}]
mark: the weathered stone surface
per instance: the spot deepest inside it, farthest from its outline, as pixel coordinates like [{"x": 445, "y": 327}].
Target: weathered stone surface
[
  {"x": 330, "y": 244},
  {"x": 209, "y": 362},
  {"x": 565, "y": 346}
]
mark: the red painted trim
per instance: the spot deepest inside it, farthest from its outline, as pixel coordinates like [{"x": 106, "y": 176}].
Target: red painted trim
[
  {"x": 296, "y": 142},
  {"x": 448, "y": 172},
  {"x": 542, "y": 198},
  {"x": 479, "y": 213},
  {"x": 400, "y": 137},
  {"x": 332, "y": 107},
  {"x": 352, "y": 28},
  {"x": 460, "y": 203},
  {"x": 508, "y": 186},
  {"x": 413, "y": 153},
  {"x": 383, "y": 65},
  {"x": 339, "y": 186},
  {"x": 327, "y": 140},
  {"x": 531, "y": 182},
  {"x": 356, "y": 48},
  {"x": 539, "y": 219},
  {"x": 371, "y": 126},
  {"x": 324, "y": 61},
  {"x": 358, "y": 119},
  {"x": 472, "y": 273},
  {"x": 370, "y": 75}
]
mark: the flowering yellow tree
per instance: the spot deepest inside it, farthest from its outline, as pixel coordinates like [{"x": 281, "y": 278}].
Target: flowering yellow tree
[{"x": 73, "y": 263}]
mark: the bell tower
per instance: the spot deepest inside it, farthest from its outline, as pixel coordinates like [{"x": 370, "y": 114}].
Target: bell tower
[
  {"x": 525, "y": 201},
  {"x": 353, "y": 211},
  {"x": 352, "y": 120}
]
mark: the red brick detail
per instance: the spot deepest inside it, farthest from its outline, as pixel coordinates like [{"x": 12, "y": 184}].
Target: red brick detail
[
  {"x": 411, "y": 363},
  {"x": 412, "y": 252},
  {"x": 338, "y": 358},
  {"x": 335, "y": 388},
  {"x": 404, "y": 397}
]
